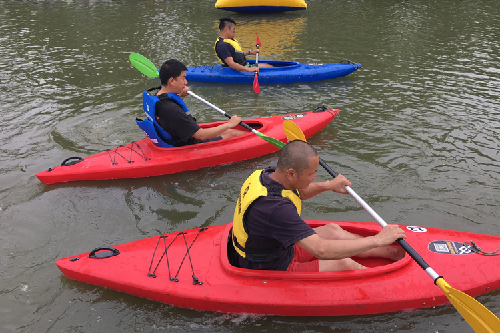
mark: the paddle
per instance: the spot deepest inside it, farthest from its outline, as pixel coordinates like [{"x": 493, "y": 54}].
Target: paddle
[
  {"x": 146, "y": 67},
  {"x": 143, "y": 64},
  {"x": 477, "y": 315},
  {"x": 256, "y": 86}
]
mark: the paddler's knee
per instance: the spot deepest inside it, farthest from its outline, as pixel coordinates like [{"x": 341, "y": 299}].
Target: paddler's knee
[
  {"x": 396, "y": 252},
  {"x": 330, "y": 231}
]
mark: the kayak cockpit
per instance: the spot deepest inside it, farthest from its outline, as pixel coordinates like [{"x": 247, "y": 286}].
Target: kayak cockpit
[
  {"x": 252, "y": 123},
  {"x": 377, "y": 266},
  {"x": 256, "y": 125},
  {"x": 277, "y": 65}
]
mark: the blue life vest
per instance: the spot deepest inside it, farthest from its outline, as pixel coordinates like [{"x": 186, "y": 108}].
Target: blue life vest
[{"x": 150, "y": 126}]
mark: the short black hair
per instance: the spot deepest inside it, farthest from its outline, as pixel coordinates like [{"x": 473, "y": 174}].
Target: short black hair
[
  {"x": 295, "y": 155},
  {"x": 171, "y": 69},
  {"x": 224, "y": 22}
]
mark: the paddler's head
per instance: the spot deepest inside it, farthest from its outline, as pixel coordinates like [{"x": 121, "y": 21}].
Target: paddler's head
[
  {"x": 227, "y": 27},
  {"x": 297, "y": 165},
  {"x": 173, "y": 75}
]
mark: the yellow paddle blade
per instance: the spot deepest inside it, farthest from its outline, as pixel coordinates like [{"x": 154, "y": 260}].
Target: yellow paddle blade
[
  {"x": 477, "y": 315},
  {"x": 292, "y": 131}
]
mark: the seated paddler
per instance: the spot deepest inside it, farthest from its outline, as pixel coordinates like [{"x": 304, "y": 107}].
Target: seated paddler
[
  {"x": 269, "y": 234},
  {"x": 173, "y": 115},
  {"x": 229, "y": 51}
]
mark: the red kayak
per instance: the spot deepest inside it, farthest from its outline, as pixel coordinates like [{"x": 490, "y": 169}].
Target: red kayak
[
  {"x": 190, "y": 269},
  {"x": 145, "y": 159}
]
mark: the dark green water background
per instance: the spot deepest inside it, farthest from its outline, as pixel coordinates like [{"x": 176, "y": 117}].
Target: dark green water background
[{"x": 418, "y": 136}]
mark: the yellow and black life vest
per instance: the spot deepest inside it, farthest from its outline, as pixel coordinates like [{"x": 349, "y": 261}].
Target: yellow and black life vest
[
  {"x": 251, "y": 190},
  {"x": 239, "y": 57}
]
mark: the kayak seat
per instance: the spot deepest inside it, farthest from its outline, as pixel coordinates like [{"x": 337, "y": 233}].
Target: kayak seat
[
  {"x": 149, "y": 100},
  {"x": 153, "y": 131}
]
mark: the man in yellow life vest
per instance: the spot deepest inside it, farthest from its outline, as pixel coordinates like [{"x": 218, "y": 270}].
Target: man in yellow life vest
[
  {"x": 269, "y": 234},
  {"x": 229, "y": 51}
]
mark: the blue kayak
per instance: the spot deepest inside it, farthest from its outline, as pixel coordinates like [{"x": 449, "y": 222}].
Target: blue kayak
[{"x": 282, "y": 72}]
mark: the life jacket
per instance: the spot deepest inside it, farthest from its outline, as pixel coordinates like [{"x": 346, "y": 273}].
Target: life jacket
[
  {"x": 239, "y": 57},
  {"x": 250, "y": 191},
  {"x": 150, "y": 126}
]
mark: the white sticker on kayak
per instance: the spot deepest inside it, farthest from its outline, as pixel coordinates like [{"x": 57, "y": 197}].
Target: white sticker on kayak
[
  {"x": 450, "y": 247},
  {"x": 295, "y": 116},
  {"x": 416, "y": 228}
]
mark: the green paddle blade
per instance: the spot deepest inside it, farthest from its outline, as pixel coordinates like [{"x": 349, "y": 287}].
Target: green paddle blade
[
  {"x": 292, "y": 131},
  {"x": 143, "y": 64},
  {"x": 477, "y": 315},
  {"x": 273, "y": 141}
]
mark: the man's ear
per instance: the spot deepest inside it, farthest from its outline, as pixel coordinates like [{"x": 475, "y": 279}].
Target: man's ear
[
  {"x": 290, "y": 173},
  {"x": 170, "y": 81}
]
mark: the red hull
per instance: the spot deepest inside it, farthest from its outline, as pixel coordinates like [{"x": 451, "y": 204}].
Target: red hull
[
  {"x": 385, "y": 287},
  {"x": 144, "y": 159}
]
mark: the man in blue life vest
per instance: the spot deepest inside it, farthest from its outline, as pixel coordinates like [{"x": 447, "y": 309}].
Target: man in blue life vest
[
  {"x": 269, "y": 234},
  {"x": 229, "y": 51},
  {"x": 173, "y": 115}
]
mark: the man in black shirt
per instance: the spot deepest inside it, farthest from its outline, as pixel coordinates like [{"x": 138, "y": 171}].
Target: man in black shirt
[
  {"x": 268, "y": 232},
  {"x": 173, "y": 115}
]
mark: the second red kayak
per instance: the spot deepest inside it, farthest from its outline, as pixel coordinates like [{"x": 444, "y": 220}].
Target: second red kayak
[
  {"x": 190, "y": 269},
  {"x": 144, "y": 159}
]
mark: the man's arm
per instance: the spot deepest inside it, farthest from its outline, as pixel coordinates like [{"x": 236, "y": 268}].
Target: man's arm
[
  {"x": 327, "y": 249},
  {"x": 337, "y": 184},
  {"x": 230, "y": 62},
  {"x": 212, "y": 132}
]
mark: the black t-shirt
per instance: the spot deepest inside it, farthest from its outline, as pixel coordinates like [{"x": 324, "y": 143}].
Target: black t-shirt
[
  {"x": 172, "y": 118},
  {"x": 277, "y": 218}
]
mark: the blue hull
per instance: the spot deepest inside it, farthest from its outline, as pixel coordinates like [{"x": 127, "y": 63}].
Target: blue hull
[
  {"x": 283, "y": 72},
  {"x": 261, "y": 9}
]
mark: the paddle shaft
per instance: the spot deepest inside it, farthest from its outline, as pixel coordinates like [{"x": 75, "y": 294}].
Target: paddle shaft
[
  {"x": 257, "y": 58},
  {"x": 381, "y": 221},
  {"x": 257, "y": 63},
  {"x": 256, "y": 87},
  {"x": 221, "y": 111}
]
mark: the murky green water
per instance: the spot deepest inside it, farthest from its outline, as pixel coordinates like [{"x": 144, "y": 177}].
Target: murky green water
[{"x": 418, "y": 136}]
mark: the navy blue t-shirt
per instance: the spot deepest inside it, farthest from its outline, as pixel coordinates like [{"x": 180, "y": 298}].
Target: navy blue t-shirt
[
  {"x": 225, "y": 50},
  {"x": 277, "y": 218}
]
